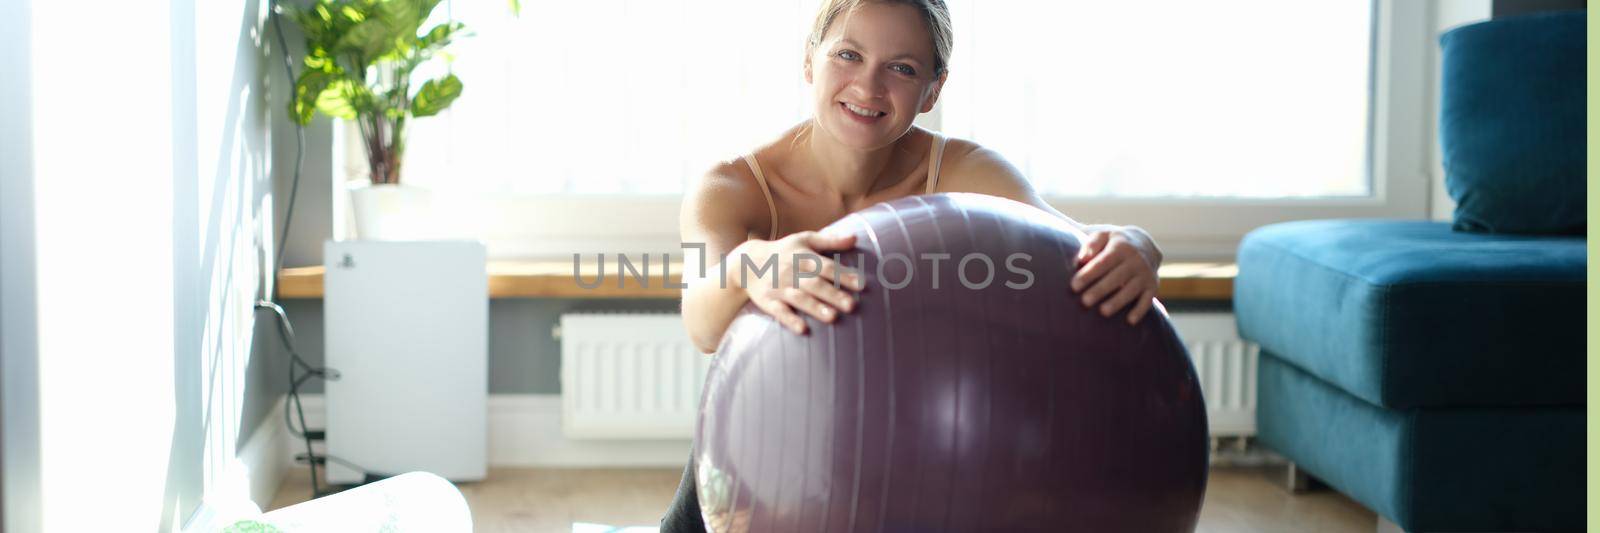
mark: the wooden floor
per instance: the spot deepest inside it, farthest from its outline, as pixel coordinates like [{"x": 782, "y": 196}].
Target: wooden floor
[{"x": 1238, "y": 500}]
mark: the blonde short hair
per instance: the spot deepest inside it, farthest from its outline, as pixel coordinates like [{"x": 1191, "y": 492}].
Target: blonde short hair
[{"x": 934, "y": 14}]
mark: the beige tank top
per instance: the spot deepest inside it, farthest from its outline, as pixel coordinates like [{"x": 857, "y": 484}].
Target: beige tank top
[{"x": 934, "y": 156}]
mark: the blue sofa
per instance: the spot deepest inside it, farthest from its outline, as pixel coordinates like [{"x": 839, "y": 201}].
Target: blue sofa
[{"x": 1435, "y": 371}]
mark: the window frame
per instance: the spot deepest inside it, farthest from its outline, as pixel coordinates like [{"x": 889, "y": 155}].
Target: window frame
[
  {"x": 1397, "y": 156},
  {"x": 557, "y": 226}
]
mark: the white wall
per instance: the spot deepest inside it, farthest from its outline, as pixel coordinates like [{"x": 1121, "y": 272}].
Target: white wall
[
  {"x": 222, "y": 246},
  {"x": 1447, "y": 14},
  {"x": 314, "y": 208}
]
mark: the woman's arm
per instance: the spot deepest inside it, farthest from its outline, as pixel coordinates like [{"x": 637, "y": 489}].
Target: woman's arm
[
  {"x": 721, "y": 213},
  {"x": 1117, "y": 265},
  {"x": 714, "y": 214}
]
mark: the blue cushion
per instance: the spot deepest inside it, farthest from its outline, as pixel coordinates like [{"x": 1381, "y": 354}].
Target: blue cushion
[
  {"x": 1410, "y": 313},
  {"x": 1443, "y": 469},
  {"x": 1511, "y": 123}
]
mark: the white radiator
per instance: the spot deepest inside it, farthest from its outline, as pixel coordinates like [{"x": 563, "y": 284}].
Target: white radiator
[
  {"x": 1226, "y": 366},
  {"x": 629, "y": 376},
  {"x": 636, "y": 375}
]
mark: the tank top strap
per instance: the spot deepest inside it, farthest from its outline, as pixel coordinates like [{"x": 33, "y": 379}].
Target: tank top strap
[
  {"x": 935, "y": 156},
  {"x": 772, "y": 207}
]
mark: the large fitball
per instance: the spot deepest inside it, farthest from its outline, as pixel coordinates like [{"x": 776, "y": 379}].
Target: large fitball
[{"x": 970, "y": 390}]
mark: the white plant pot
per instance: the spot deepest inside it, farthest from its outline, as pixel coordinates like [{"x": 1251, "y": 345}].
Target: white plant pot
[{"x": 392, "y": 212}]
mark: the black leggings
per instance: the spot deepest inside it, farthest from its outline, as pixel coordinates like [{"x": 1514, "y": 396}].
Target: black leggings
[{"x": 684, "y": 514}]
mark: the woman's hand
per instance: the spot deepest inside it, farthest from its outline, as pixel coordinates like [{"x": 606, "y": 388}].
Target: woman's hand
[
  {"x": 801, "y": 278},
  {"x": 1117, "y": 266}
]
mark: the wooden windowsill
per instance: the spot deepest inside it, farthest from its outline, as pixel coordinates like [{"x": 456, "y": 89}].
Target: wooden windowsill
[{"x": 553, "y": 279}]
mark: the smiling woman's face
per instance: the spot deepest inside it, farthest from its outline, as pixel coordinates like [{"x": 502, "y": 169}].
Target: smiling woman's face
[{"x": 872, "y": 73}]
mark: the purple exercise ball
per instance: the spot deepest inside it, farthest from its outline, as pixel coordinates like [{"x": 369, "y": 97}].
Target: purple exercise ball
[{"x": 943, "y": 403}]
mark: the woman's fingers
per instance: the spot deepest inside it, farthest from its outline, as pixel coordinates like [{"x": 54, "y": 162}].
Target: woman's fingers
[
  {"x": 1121, "y": 299},
  {"x": 803, "y": 282},
  {"x": 780, "y": 311},
  {"x": 824, "y": 290},
  {"x": 809, "y": 266},
  {"x": 1146, "y": 300},
  {"x": 806, "y": 303},
  {"x": 1087, "y": 274},
  {"x": 824, "y": 242},
  {"x": 1119, "y": 275},
  {"x": 832, "y": 272},
  {"x": 1097, "y": 241},
  {"x": 1091, "y": 262}
]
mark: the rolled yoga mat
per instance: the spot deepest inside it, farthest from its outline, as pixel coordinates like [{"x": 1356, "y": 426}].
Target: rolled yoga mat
[
  {"x": 415, "y": 502},
  {"x": 944, "y": 403}
]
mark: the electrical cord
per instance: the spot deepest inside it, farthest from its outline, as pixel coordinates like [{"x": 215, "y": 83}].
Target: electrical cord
[
  {"x": 286, "y": 333},
  {"x": 297, "y": 364},
  {"x": 299, "y": 142}
]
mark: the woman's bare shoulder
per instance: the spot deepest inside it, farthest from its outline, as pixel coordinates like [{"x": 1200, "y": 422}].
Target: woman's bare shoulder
[
  {"x": 958, "y": 151},
  {"x": 967, "y": 166},
  {"x": 725, "y": 194},
  {"x": 779, "y": 149}
]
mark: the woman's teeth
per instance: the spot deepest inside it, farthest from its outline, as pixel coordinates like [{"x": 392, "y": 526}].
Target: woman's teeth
[{"x": 862, "y": 110}]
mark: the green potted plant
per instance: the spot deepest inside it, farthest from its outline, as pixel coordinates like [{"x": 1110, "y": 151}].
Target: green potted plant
[{"x": 358, "y": 66}]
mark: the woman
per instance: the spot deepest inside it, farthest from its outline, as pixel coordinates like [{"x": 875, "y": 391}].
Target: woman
[{"x": 873, "y": 66}]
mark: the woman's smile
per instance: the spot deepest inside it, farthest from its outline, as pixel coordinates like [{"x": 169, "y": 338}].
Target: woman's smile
[{"x": 861, "y": 114}]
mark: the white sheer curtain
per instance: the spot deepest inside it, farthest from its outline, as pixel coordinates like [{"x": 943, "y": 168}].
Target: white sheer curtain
[
  {"x": 1235, "y": 98},
  {"x": 612, "y": 96}
]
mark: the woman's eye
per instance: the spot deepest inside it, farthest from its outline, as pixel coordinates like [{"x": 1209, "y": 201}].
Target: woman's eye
[
  {"x": 905, "y": 69},
  {"x": 847, "y": 55}
]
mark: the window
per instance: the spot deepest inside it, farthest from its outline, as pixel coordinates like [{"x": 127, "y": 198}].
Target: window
[
  {"x": 1197, "y": 121},
  {"x": 1242, "y": 98},
  {"x": 612, "y": 96}
]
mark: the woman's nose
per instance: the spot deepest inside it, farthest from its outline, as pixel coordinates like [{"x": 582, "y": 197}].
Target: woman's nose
[{"x": 870, "y": 84}]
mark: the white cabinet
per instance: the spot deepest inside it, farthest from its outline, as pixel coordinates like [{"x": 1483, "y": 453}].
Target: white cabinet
[{"x": 407, "y": 330}]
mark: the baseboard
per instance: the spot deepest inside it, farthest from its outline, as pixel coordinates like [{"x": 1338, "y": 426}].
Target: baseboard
[
  {"x": 261, "y": 463},
  {"x": 525, "y": 431},
  {"x": 266, "y": 456}
]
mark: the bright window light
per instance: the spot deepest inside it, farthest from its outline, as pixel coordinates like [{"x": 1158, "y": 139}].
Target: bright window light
[
  {"x": 617, "y": 96},
  {"x": 103, "y": 213},
  {"x": 1236, "y": 98}
]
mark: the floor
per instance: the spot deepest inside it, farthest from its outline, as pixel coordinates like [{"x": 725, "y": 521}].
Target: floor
[{"x": 1238, "y": 500}]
